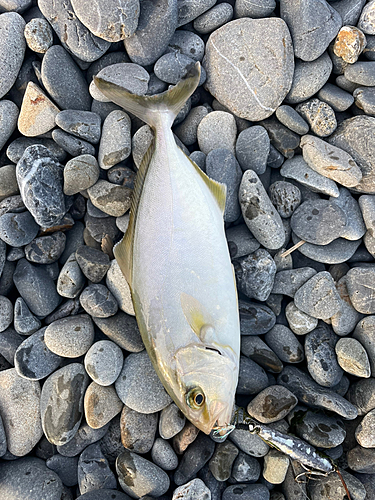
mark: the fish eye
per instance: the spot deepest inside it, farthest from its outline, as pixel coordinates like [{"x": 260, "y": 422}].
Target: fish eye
[{"x": 195, "y": 398}]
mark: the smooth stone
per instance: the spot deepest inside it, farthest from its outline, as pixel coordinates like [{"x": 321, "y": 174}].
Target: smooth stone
[
  {"x": 18, "y": 230},
  {"x": 188, "y": 43},
  {"x": 245, "y": 469},
  {"x": 16, "y": 148},
  {"x": 12, "y": 49},
  {"x": 70, "y": 337},
  {"x": 99, "y": 228},
  {"x": 8, "y": 181},
  {"x": 365, "y": 100},
  {"x": 3, "y": 255},
  {"x": 141, "y": 141},
  {"x": 346, "y": 319},
  {"x": 322, "y": 362},
  {"x": 172, "y": 67},
  {"x": 27, "y": 479},
  {"x": 15, "y": 254},
  {"x": 361, "y": 73},
  {"x": 349, "y": 10},
  {"x": 251, "y": 444},
  {"x": 185, "y": 437},
  {"x": 156, "y": 25},
  {"x": 33, "y": 360},
  {"x": 94, "y": 472},
  {"x": 25, "y": 323},
  {"x": 36, "y": 288},
  {"x": 81, "y": 439},
  {"x": 318, "y": 297},
  {"x": 72, "y": 145},
  {"x": 80, "y": 173},
  {"x": 272, "y": 404},
  {"x": 71, "y": 279},
  {"x": 299, "y": 322},
  {"x": 260, "y": 215},
  {"x": 195, "y": 457},
  {"x": 320, "y": 430},
  {"x": 8, "y": 120},
  {"x": 93, "y": 263},
  {"x": 364, "y": 433},
  {"x": 352, "y": 357},
  {"x": 187, "y": 130},
  {"x": 275, "y": 467},
  {"x": 340, "y": 250},
  {"x": 222, "y": 460},
  {"x": 254, "y": 348},
  {"x": 103, "y": 362},
  {"x": 349, "y": 44},
  {"x": 217, "y": 130},
  {"x": 65, "y": 468},
  {"x": 289, "y": 117},
  {"x": 255, "y": 9},
  {"x": 355, "y": 226},
  {"x": 330, "y": 161},
  {"x": 139, "y": 477},
  {"x": 115, "y": 143},
  {"x": 284, "y": 344},
  {"x": 139, "y": 387},
  {"x": 38, "y": 112},
  {"x": 138, "y": 430},
  {"x": 362, "y": 395},
  {"x": 110, "y": 198},
  {"x": 255, "y": 274},
  {"x": 73, "y": 35},
  {"x": 122, "y": 175},
  {"x": 61, "y": 403},
  {"x": 98, "y": 301},
  {"x": 255, "y": 319},
  {"x": 251, "y": 378},
  {"x": 195, "y": 489},
  {"x": 131, "y": 77},
  {"x": 123, "y": 330},
  {"x": 119, "y": 287},
  {"x": 366, "y": 21},
  {"x": 348, "y": 137},
  {"x": 313, "y": 26},
  {"x": 240, "y": 241},
  {"x": 171, "y": 421},
  {"x": 337, "y": 98},
  {"x": 46, "y": 249},
  {"x": 101, "y": 405},
  {"x": 275, "y": 158},
  {"x": 112, "y": 21},
  {"x": 38, "y": 35},
  {"x": 82, "y": 124},
  {"x": 213, "y": 18},
  {"x": 288, "y": 281},
  {"x": 319, "y": 115},
  {"x": 163, "y": 456},
  {"x": 262, "y": 91},
  {"x": 298, "y": 170},
  {"x": 312, "y": 394},
  {"x": 364, "y": 334},
  {"x": 252, "y": 149},
  {"x": 246, "y": 492},
  {"x": 9, "y": 343},
  {"x": 360, "y": 286},
  {"x": 103, "y": 494},
  {"x": 361, "y": 460}
]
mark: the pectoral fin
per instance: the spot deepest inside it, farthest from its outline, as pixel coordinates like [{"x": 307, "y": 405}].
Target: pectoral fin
[{"x": 199, "y": 319}]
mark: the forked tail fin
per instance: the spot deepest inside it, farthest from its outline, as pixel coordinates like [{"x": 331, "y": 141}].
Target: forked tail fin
[{"x": 148, "y": 108}]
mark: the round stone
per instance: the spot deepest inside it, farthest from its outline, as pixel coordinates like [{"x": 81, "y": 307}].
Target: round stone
[
  {"x": 171, "y": 421},
  {"x": 319, "y": 115},
  {"x": 162, "y": 455},
  {"x": 70, "y": 337},
  {"x": 8, "y": 120},
  {"x": 255, "y": 274},
  {"x": 93, "y": 263},
  {"x": 115, "y": 142},
  {"x": 285, "y": 344},
  {"x": 110, "y": 198},
  {"x": 38, "y": 35},
  {"x": 272, "y": 404},
  {"x": 94, "y": 472},
  {"x": 98, "y": 301},
  {"x": 71, "y": 279},
  {"x": 18, "y": 230},
  {"x": 82, "y": 124},
  {"x": 365, "y": 432},
  {"x": 25, "y": 323},
  {"x": 103, "y": 362},
  {"x": 367, "y": 19},
  {"x": 46, "y": 249},
  {"x": 123, "y": 330},
  {"x": 352, "y": 357},
  {"x": 320, "y": 430},
  {"x": 138, "y": 430},
  {"x": 217, "y": 130},
  {"x": 12, "y": 49},
  {"x": 80, "y": 173},
  {"x": 299, "y": 322},
  {"x": 119, "y": 287},
  {"x": 252, "y": 149},
  {"x": 286, "y": 197},
  {"x": 101, "y": 405}
]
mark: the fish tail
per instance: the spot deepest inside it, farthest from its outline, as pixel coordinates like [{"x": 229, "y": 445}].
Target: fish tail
[{"x": 151, "y": 108}]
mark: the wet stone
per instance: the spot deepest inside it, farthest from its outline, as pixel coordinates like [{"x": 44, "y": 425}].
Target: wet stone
[
  {"x": 163, "y": 456},
  {"x": 254, "y": 348},
  {"x": 272, "y": 404},
  {"x": 70, "y": 337},
  {"x": 46, "y": 249},
  {"x": 245, "y": 469},
  {"x": 352, "y": 357},
  {"x": 12, "y": 49},
  {"x": 115, "y": 142},
  {"x": 252, "y": 149},
  {"x": 25, "y": 323},
  {"x": 320, "y": 430},
  {"x": 139, "y": 387},
  {"x": 171, "y": 421},
  {"x": 217, "y": 130},
  {"x": 93, "y": 263},
  {"x": 103, "y": 362},
  {"x": 255, "y": 274},
  {"x": 360, "y": 286},
  {"x": 123, "y": 330},
  {"x": 246, "y": 491},
  {"x": 18, "y": 229},
  {"x": 288, "y": 281},
  {"x": 33, "y": 360},
  {"x": 81, "y": 439},
  {"x": 222, "y": 460},
  {"x": 101, "y": 405},
  {"x": 71, "y": 279},
  {"x": 284, "y": 344},
  {"x": 319, "y": 115},
  {"x": 138, "y": 430},
  {"x": 94, "y": 472},
  {"x": 252, "y": 378}
]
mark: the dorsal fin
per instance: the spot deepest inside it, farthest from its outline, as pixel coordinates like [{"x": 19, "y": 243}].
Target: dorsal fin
[
  {"x": 218, "y": 190},
  {"x": 123, "y": 251}
]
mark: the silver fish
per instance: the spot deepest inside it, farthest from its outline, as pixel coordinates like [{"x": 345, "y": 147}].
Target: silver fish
[{"x": 175, "y": 258}]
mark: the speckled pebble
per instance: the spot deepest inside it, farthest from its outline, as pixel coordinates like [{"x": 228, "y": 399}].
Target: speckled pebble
[
  {"x": 112, "y": 199},
  {"x": 171, "y": 421},
  {"x": 115, "y": 142},
  {"x": 46, "y": 249},
  {"x": 25, "y": 323},
  {"x": 285, "y": 344},
  {"x": 252, "y": 149},
  {"x": 6, "y": 313},
  {"x": 123, "y": 330},
  {"x": 360, "y": 287},
  {"x": 119, "y": 288},
  {"x": 255, "y": 274},
  {"x": 299, "y": 322},
  {"x": 218, "y": 129},
  {"x": 319, "y": 115},
  {"x": 93, "y": 263},
  {"x": 18, "y": 230},
  {"x": 272, "y": 404}
]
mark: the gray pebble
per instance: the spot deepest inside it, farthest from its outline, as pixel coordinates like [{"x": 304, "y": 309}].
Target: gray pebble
[
  {"x": 198, "y": 453},
  {"x": 132, "y": 77},
  {"x": 82, "y": 124},
  {"x": 36, "y": 288},
  {"x": 12, "y": 49},
  {"x": 310, "y": 428},
  {"x": 33, "y": 360},
  {"x": 337, "y": 98},
  {"x": 235, "y": 46},
  {"x": 255, "y": 274},
  {"x": 119, "y": 287},
  {"x": 361, "y": 460},
  {"x": 312, "y": 394},
  {"x": 9, "y": 343},
  {"x": 110, "y": 198},
  {"x": 101, "y": 405},
  {"x": 139, "y": 387},
  {"x": 362, "y": 395},
  {"x": 319, "y": 115},
  {"x": 364, "y": 433},
  {"x": 80, "y": 173},
  {"x": 187, "y": 130},
  {"x": 340, "y": 250},
  {"x": 285, "y": 344},
  {"x": 188, "y": 10},
  {"x": 25, "y": 323},
  {"x": 65, "y": 468},
  {"x": 252, "y": 149},
  {"x": 251, "y": 444},
  {"x": 138, "y": 430},
  {"x": 71, "y": 279},
  {"x": 288, "y": 281},
  {"x": 72, "y": 145},
  {"x": 123, "y": 330},
  {"x": 369, "y": 50},
  {"x": 188, "y": 43},
  {"x": 17, "y": 148},
  {"x": 349, "y": 10},
  {"x": 364, "y": 333},
  {"x": 103, "y": 362},
  {"x": 70, "y": 337},
  {"x": 8, "y": 181},
  {"x": 299, "y": 322},
  {"x": 240, "y": 241},
  {"x": 15, "y": 254},
  {"x": 61, "y": 403},
  {"x": 255, "y": 9},
  {"x": 103, "y": 494},
  {"x": 355, "y": 227},
  {"x": 115, "y": 143},
  {"x": 214, "y": 18},
  {"x": 222, "y": 460},
  {"x": 360, "y": 286},
  {"x": 98, "y": 301},
  {"x": 246, "y": 492},
  {"x": 8, "y": 120},
  {"x": 289, "y": 117},
  {"x": 255, "y": 319},
  {"x": 333, "y": 486},
  {"x": 245, "y": 469},
  {"x": 73, "y": 35},
  {"x": 93, "y": 263},
  {"x": 171, "y": 421},
  {"x": 38, "y": 35},
  {"x": 321, "y": 357},
  {"x": 282, "y": 138},
  {"x": 362, "y": 73},
  {"x": 272, "y": 404},
  {"x": 6, "y": 279},
  {"x": 252, "y": 378},
  {"x": 365, "y": 100},
  {"x": 275, "y": 158},
  {"x": 352, "y": 357},
  {"x": 94, "y": 472},
  {"x": 46, "y": 249},
  {"x": 163, "y": 456},
  {"x": 254, "y": 348},
  {"x": 18, "y": 229},
  {"x": 216, "y": 130},
  {"x": 285, "y": 196},
  {"x": 275, "y": 467},
  {"x": 81, "y": 439},
  {"x": 195, "y": 489}
]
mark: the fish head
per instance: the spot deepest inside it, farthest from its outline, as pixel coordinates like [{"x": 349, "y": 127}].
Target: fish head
[{"x": 207, "y": 378}]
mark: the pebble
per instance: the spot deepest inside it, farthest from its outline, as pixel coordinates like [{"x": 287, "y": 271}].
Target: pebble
[
  {"x": 10, "y": 340},
  {"x": 65, "y": 468},
  {"x": 71, "y": 279},
  {"x": 103, "y": 362},
  {"x": 130, "y": 76},
  {"x": 103, "y": 494},
  {"x": 94, "y": 472},
  {"x": 73, "y": 35},
  {"x": 193, "y": 490},
  {"x": 361, "y": 73},
  {"x": 314, "y": 395},
  {"x": 38, "y": 112},
  {"x": 138, "y": 430},
  {"x": 246, "y": 492},
  {"x": 361, "y": 460},
  {"x": 185, "y": 437},
  {"x": 156, "y": 25},
  {"x": 259, "y": 214},
  {"x": 318, "y": 296},
  {"x": 216, "y": 130},
  {"x": 275, "y": 467},
  {"x": 17, "y": 147},
  {"x": 36, "y": 288},
  {"x": 352, "y": 357},
  {"x": 80, "y": 173},
  {"x": 72, "y": 145},
  {"x": 222, "y": 460},
  {"x": 8, "y": 120},
  {"x": 12, "y": 49},
  {"x": 361, "y": 394},
  {"x": 255, "y": 274},
  {"x": 25, "y": 323},
  {"x": 298, "y": 170},
  {"x": 61, "y": 403},
  {"x": 70, "y": 337},
  {"x": 285, "y": 344},
  {"x": 38, "y": 35},
  {"x": 288, "y": 281},
  {"x": 213, "y": 18},
  {"x": 162, "y": 455},
  {"x": 312, "y": 26},
  {"x": 115, "y": 143},
  {"x": 264, "y": 44},
  {"x": 320, "y": 430},
  {"x": 82, "y": 124},
  {"x": 29, "y": 478},
  {"x": 8, "y": 181},
  {"x": 272, "y": 404},
  {"x": 252, "y": 378},
  {"x": 93, "y": 263},
  {"x": 240, "y": 241},
  {"x": 349, "y": 44},
  {"x": 139, "y": 387},
  {"x": 360, "y": 286},
  {"x": 337, "y": 98},
  {"x": 245, "y": 469},
  {"x": 319, "y": 115},
  {"x": 355, "y": 228},
  {"x": 46, "y": 249},
  {"x": 112, "y": 21},
  {"x": 367, "y": 19},
  {"x": 188, "y": 43},
  {"x": 197, "y": 454},
  {"x": 254, "y": 348},
  {"x": 364, "y": 433},
  {"x": 255, "y": 9},
  {"x": 222, "y": 166},
  {"x": 112, "y": 199},
  {"x": 364, "y": 99},
  {"x": 18, "y": 230},
  {"x": 118, "y": 286},
  {"x": 101, "y": 405},
  {"x": 255, "y": 319},
  {"x": 172, "y": 67},
  {"x": 322, "y": 362},
  {"x": 81, "y": 439},
  {"x": 171, "y": 421},
  {"x": 252, "y": 149},
  {"x": 33, "y": 360},
  {"x": 123, "y": 330},
  {"x": 364, "y": 334},
  {"x": 98, "y": 301},
  {"x": 289, "y": 117}
]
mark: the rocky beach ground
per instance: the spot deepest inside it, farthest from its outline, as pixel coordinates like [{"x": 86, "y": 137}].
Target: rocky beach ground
[{"x": 284, "y": 115}]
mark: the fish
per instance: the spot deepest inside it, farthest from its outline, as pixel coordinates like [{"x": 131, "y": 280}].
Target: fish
[{"x": 175, "y": 258}]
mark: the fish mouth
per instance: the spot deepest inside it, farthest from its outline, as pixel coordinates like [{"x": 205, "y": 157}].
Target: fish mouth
[{"x": 221, "y": 425}]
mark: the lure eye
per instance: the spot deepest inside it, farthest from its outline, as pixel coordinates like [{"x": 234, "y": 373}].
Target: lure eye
[{"x": 195, "y": 398}]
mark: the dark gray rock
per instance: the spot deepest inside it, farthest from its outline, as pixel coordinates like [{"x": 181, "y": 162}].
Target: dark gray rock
[
  {"x": 194, "y": 459},
  {"x": 246, "y": 492},
  {"x": 245, "y": 469},
  {"x": 289, "y": 117},
  {"x": 340, "y": 250},
  {"x": 240, "y": 241},
  {"x": 33, "y": 360},
  {"x": 123, "y": 330},
  {"x": 285, "y": 344},
  {"x": 255, "y": 319},
  {"x": 93, "y": 263},
  {"x": 362, "y": 395},
  {"x": 12, "y": 49},
  {"x": 254, "y": 348},
  {"x": 361, "y": 460},
  {"x": 36, "y": 288},
  {"x": 251, "y": 378},
  {"x": 282, "y": 138},
  {"x": 81, "y": 439},
  {"x": 255, "y": 274},
  {"x": 349, "y": 10},
  {"x": 17, "y": 148},
  {"x": 213, "y": 18},
  {"x": 138, "y": 430},
  {"x": 252, "y": 149},
  {"x": 362, "y": 73},
  {"x": 103, "y": 362},
  {"x": 8, "y": 120},
  {"x": 251, "y": 444},
  {"x": 320, "y": 430},
  {"x": 98, "y": 301},
  {"x": 94, "y": 472},
  {"x": 72, "y": 145},
  {"x": 46, "y": 249},
  {"x": 188, "y": 43},
  {"x": 222, "y": 460},
  {"x": 83, "y": 124},
  {"x": 289, "y": 281},
  {"x": 337, "y": 98},
  {"x": 9, "y": 342},
  {"x": 172, "y": 67},
  {"x": 65, "y": 468},
  {"x": 25, "y": 323},
  {"x": 18, "y": 229},
  {"x": 71, "y": 279}
]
